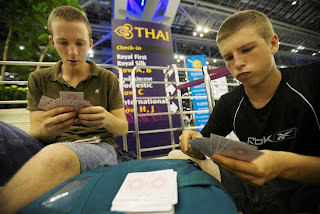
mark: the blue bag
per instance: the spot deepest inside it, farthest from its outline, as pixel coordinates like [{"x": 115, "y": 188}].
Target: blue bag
[{"x": 94, "y": 190}]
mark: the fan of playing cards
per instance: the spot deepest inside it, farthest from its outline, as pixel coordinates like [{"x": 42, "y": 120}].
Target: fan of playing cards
[
  {"x": 67, "y": 98},
  {"x": 225, "y": 147}
]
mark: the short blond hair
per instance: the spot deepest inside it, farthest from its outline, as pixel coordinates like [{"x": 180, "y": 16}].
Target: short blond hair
[
  {"x": 68, "y": 13},
  {"x": 246, "y": 18}
]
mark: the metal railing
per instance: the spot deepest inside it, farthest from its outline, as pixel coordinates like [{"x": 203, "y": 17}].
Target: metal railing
[
  {"x": 177, "y": 97},
  {"x": 207, "y": 82},
  {"x": 46, "y": 64}
]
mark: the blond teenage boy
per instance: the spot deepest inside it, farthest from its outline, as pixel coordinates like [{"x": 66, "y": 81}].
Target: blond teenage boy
[
  {"x": 276, "y": 110},
  {"x": 70, "y": 34}
]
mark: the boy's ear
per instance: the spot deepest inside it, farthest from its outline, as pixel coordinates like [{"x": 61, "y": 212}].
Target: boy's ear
[
  {"x": 274, "y": 43},
  {"x": 51, "y": 40},
  {"x": 91, "y": 43}
]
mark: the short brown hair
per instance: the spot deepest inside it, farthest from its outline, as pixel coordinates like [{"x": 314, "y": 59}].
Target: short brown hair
[
  {"x": 242, "y": 19},
  {"x": 68, "y": 13}
]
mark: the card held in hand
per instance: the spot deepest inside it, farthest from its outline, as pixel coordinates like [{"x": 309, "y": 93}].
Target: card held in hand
[
  {"x": 225, "y": 147},
  {"x": 67, "y": 98}
]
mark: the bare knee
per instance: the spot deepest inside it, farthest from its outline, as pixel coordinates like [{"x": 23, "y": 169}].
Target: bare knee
[
  {"x": 206, "y": 165},
  {"x": 177, "y": 154},
  {"x": 59, "y": 156}
]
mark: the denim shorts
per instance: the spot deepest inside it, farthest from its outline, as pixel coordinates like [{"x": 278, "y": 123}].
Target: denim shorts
[
  {"x": 17, "y": 147},
  {"x": 276, "y": 196},
  {"x": 93, "y": 155}
]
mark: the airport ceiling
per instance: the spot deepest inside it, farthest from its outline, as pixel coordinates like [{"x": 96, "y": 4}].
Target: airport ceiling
[{"x": 297, "y": 24}]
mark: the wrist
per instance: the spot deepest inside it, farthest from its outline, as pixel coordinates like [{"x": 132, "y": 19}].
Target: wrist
[
  {"x": 285, "y": 163},
  {"x": 107, "y": 120}
]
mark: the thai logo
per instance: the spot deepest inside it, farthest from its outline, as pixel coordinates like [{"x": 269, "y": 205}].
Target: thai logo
[
  {"x": 124, "y": 31},
  {"x": 196, "y": 63}
]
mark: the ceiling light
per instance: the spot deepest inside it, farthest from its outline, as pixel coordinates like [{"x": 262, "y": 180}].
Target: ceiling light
[
  {"x": 201, "y": 34},
  {"x": 176, "y": 56},
  {"x": 314, "y": 54},
  {"x": 21, "y": 47},
  {"x": 178, "y": 60},
  {"x": 195, "y": 33},
  {"x": 181, "y": 57},
  {"x": 300, "y": 48},
  {"x": 294, "y": 3},
  {"x": 214, "y": 60},
  {"x": 207, "y": 62},
  {"x": 199, "y": 28},
  {"x": 206, "y": 30}
]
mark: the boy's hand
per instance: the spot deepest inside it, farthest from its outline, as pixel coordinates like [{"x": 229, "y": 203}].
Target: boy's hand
[
  {"x": 95, "y": 117},
  {"x": 186, "y": 148},
  {"x": 58, "y": 120},
  {"x": 256, "y": 172}
]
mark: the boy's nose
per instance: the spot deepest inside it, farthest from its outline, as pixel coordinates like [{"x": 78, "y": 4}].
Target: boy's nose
[{"x": 72, "y": 50}]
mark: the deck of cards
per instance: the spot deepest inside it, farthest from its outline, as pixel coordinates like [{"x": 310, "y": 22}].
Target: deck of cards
[
  {"x": 154, "y": 191},
  {"x": 67, "y": 98},
  {"x": 225, "y": 147}
]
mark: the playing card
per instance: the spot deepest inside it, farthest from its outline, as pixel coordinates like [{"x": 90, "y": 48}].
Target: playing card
[
  {"x": 240, "y": 152},
  {"x": 234, "y": 149},
  {"x": 213, "y": 144},
  {"x": 217, "y": 141},
  {"x": 78, "y": 104},
  {"x": 65, "y": 95},
  {"x": 226, "y": 147},
  {"x": 222, "y": 143},
  {"x": 58, "y": 102},
  {"x": 44, "y": 101},
  {"x": 208, "y": 145},
  {"x": 50, "y": 106},
  {"x": 154, "y": 191},
  {"x": 70, "y": 102},
  {"x": 198, "y": 144}
]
